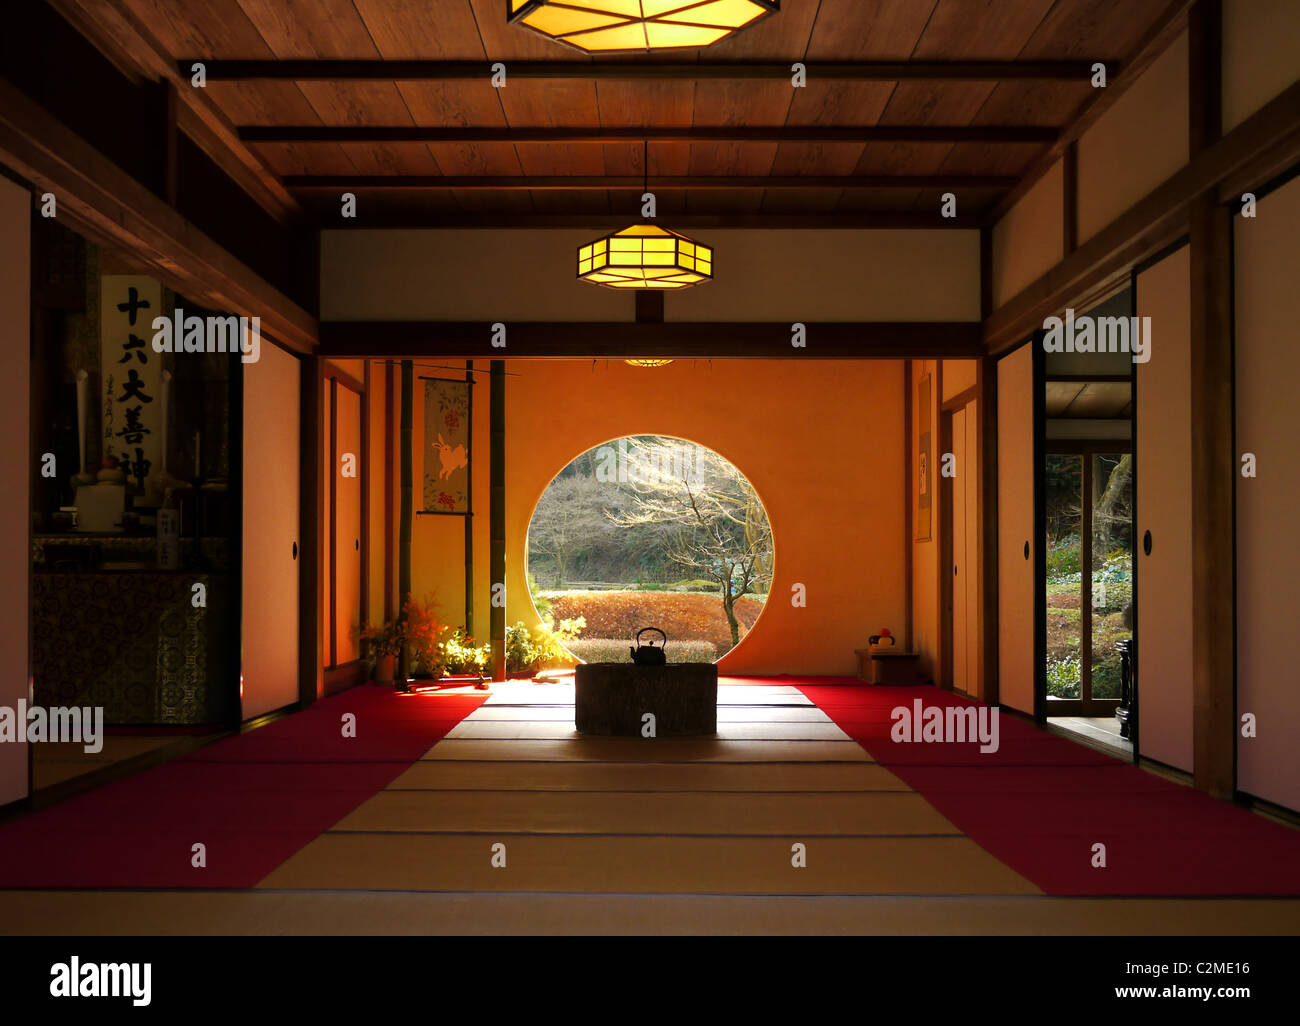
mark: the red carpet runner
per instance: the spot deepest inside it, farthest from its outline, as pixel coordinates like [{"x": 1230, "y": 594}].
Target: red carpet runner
[
  {"x": 252, "y": 800},
  {"x": 1041, "y": 802}
]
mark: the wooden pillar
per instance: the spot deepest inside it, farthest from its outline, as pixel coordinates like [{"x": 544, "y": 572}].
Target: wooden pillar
[
  {"x": 404, "y": 531},
  {"x": 909, "y": 543},
  {"x": 331, "y": 643},
  {"x": 390, "y": 485},
  {"x": 1213, "y": 465},
  {"x": 311, "y": 548},
  {"x": 987, "y": 379},
  {"x": 469, "y": 511},
  {"x": 497, "y": 515}
]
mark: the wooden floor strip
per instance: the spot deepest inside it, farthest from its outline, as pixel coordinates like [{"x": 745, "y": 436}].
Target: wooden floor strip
[
  {"x": 561, "y": 730},
  {"x": 613, "y": 812},
  {"x": 646, "y": 865},
  {"x": 649, "y": 750},
  {"x": 632, "y": 776}
]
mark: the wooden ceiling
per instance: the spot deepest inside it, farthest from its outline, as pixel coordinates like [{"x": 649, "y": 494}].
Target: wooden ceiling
[{"x": 507, "y": 152}]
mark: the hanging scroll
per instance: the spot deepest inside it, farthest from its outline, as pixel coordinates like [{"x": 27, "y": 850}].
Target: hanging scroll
[
  {"x": 130, "y": 374},
  {"x": 446, "y": 446}
]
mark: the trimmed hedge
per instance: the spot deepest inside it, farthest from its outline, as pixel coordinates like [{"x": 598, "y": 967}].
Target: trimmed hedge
[
  {"x": 615, "y": 650},
  {"x": 683, "y": 615}
]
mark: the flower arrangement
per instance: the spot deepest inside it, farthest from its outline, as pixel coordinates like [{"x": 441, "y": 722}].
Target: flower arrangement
[
  {"x": 461, "y": 654},
  {"x": 529, "y": 651},
  {"x": 418, "y": 629}
]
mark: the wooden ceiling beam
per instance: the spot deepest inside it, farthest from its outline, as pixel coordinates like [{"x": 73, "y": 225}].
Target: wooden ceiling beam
[
  {"x": 113, "y": 28},
  {"x": 724, "y": 133},
  {"x": 448, "y": 71},
  {"x": 1155, "y": 41},
  {"x": 672, "y": 340},
  {"x": 1249, "y": 152},
  {"x": 503, "y": 183},
  {"x": 93, "y": 190},
  {"x": 844, "y": 220}
]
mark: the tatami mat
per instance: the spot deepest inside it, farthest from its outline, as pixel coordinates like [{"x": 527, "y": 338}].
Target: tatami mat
[
  {"x": 647, "y": 865},
  {"x": 726, "y": 713},
  {"x": 633, "y": 776},
  {"x": 587, "y": 812},
  {"x": 706, "y": 815},
  {"x": 563, "y": 694},
  {"x": 663, "y": 749},
  {"x": 472, "y": 729}
]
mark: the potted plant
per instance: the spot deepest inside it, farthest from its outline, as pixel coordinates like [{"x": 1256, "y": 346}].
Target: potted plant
[
  {"x": 418, "y": 628},
  {"x": 385, "y": 644},
  {"x": 463, "y": 658}
]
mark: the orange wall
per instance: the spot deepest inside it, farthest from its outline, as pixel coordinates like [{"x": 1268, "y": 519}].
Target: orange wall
[{"x": 820, "y": 441}]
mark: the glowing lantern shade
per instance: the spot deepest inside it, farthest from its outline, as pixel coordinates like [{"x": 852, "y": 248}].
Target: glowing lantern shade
[
  {"x": 607, "y": 26},
  {"x": 645, "y": 256}
]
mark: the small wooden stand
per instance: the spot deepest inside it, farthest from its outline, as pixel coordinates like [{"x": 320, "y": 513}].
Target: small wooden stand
[{"x": 886, "y": 666}]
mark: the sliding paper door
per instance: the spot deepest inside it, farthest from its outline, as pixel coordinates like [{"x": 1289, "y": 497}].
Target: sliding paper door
[
  {"x": 1267, "y": 306},
  {"x": 347, "y": 528},
  {"x": 1017, "y": 539},
  {"x": 270, "y": 540},
  {"x": 1164, "y": 519}
]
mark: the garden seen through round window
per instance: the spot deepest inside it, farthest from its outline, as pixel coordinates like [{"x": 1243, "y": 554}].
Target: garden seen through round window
[{"x": 649, "y": 531}]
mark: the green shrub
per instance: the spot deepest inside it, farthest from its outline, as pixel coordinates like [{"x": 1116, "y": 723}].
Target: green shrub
[
  {"x": 1063, "y": 557},
  {"x": 615, "y": 650},
  {"x": 1064, "y": 677}
]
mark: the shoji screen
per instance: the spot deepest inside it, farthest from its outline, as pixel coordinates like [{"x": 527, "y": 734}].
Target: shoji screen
[
  {"x": 1164, "y": 475},
  {"x": 347, "y": 528},
  {"x": 270, "y": 587},
  {"x": 1267, "y": 258},
  {"x": 15, "y": 465},
  {"x": 1016, "y": 591}
]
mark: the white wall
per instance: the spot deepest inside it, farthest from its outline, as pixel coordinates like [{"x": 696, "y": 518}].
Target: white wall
[
  {"x": 1267, "y": 264},
  {"x": 15, "y": 546},
  {"x": 529, "y": 274},
  {"x": 1261, "y": 54},
  {"x": 1030, "y": 238},
  {"x": 1137, "y": 144},
  {"x": 1164, "y": 480}
]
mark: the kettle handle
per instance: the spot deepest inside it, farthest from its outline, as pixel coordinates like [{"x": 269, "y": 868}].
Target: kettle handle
[{"x": 657, "y": 631}]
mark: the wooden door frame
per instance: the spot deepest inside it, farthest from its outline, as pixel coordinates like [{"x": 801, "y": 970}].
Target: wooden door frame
[
  {"x": 945, "y": 496},
  {"x": 337, "y": 677},
  {"x": 1085, "y": 705}
]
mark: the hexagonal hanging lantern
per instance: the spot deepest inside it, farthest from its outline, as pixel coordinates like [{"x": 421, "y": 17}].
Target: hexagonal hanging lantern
[
  {"x": 645, "y": 256},
  {"x": 614, "y": 26}
]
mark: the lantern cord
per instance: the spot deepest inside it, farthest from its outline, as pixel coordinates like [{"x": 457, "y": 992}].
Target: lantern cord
[{"x": 645, "y": 169}]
